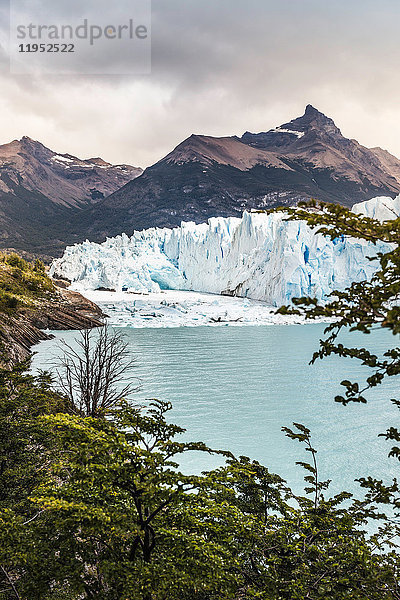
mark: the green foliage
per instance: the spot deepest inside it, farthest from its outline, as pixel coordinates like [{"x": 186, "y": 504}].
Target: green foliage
[
  {"x": 301, "y": 547},
  {"x": 16, "y": 261},
  {"x": 8, "y": 302},
  {"x": 25, "y": 454},
  {"x": 22, "y": 284},
  {"x": 99, "y": 508},
  {"x": 363, "y": 306},
  {"x": 145, "y": 529},
  {"x": 39, "y": 266}
]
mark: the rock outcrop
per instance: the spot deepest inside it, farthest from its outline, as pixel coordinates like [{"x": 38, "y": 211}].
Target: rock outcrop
[{"x": 18, "y": 333}]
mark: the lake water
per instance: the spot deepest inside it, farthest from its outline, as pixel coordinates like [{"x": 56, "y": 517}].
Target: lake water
[{"x": 235, "y": 387}]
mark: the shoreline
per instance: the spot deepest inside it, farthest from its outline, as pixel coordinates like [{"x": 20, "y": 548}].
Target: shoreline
[{"x": 19, "y": 333}]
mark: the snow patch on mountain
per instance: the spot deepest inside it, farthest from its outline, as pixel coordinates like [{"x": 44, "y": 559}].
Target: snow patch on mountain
[
  {"x": 299, "y": 134},
  {"x": 60, "y": 158},
  {"x": 260, "y": 256}
]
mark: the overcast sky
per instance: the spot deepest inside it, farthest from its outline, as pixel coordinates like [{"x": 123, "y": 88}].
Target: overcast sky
[{"x": 220, "y": 68}]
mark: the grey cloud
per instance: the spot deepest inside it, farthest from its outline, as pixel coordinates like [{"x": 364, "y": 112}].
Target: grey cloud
[{"x": 221, "y": 68}]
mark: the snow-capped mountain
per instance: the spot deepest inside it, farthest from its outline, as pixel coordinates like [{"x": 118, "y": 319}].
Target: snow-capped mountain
[
  {"x": 40, "y": 188},
  {"x": 207, "y": 177},
  {"x": 62, "y": 178},
  {"x": 260, "y": 256}
]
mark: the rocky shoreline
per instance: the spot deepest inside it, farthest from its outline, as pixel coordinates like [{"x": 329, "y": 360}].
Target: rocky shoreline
[{"x": 70, "y": 310}]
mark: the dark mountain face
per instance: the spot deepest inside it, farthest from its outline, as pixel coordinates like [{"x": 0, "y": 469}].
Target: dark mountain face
[
  {"x": 313, "y": 123},
  {"x": 205, "y": 176},
  {"x": 314, "y": 142},
  {"x": 40, "y": 190}
]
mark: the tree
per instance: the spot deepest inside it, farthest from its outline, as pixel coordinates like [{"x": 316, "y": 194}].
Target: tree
[
  {"x": 25, "y": 456},
  {"x": 135, "y": 525},
  {"x": 361, "y": 307},
  {"x": 104, "y": 512},
  {"x": 296, "y": 547},
  {"x": 97, "y": 374},
  {"x": 138, "y": 528}
]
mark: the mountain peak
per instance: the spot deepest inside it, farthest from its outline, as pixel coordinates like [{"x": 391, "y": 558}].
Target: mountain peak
[
  {"x": 311, "y": 110},
  {"x": 311, "y": 125},
  {"x": 27, "y": 141},
  {"x": 62, "y": 180},
  {"x": 210, "y": 151},
  {"x": 34, "y": 147},
  {"x": 315, "y": 120}
]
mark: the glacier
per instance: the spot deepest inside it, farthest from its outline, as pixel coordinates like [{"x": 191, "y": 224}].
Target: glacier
[
  {"x": 382, "y": 208},
  {"x": 259, "y": 256}
]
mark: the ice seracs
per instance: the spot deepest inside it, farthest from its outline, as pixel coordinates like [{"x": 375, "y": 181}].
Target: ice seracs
[
  {"x": 260, "y": 256},
  {"x": 382, "y": 208}
]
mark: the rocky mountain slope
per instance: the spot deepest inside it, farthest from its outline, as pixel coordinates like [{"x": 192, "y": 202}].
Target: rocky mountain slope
[
  {"x": 206, "y": 176},
  {"x": 40, "y": 189}
]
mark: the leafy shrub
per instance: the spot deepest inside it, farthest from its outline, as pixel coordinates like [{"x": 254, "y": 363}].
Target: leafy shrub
[
  {"x": 24, "y": 281},
  {"x": 8, "y": 302},
  {"x": 17, "y": 273},
  {"x": 16, "y": 261},
  {"x": 39, "y": 266}
]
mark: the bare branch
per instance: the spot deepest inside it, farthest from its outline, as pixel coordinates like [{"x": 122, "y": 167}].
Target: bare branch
[{"x": 96, "y": 373}]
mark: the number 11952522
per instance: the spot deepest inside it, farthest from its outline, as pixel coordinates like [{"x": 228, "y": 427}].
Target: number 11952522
[{"x": 46, "y": 48}]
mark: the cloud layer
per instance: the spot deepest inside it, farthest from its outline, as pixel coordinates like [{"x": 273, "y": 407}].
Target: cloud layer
[{"x": 221, "y": 68}]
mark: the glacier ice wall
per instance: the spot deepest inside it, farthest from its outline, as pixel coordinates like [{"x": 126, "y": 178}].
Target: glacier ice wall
[
  {"x": 260, "y": 256},
  {"x": 382, "y": 208}
]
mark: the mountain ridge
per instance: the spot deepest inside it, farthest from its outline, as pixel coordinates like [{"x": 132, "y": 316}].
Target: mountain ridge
[
  {"x": 207, "y": 176},
  {"x": 40, "y": 189},
  {"x": 64, "y": 199},
  {"x": 55, "y": 175}
]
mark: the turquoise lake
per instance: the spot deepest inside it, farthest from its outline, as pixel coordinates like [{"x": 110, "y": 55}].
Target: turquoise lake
[{"x": 235, "y": 387}]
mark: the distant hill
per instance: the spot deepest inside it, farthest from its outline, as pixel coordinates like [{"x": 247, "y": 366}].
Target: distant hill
[{"x": 41, "y": 189}]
